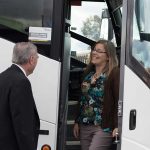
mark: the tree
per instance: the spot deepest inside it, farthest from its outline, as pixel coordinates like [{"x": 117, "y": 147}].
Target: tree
[{"x": 91, "y": 27}]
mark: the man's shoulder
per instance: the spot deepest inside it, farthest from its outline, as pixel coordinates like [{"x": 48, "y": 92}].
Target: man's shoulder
[{"x": 13, "y": 73}]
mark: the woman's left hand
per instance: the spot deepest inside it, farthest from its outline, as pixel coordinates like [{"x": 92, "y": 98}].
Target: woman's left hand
[{"x": 115, "y": 132}]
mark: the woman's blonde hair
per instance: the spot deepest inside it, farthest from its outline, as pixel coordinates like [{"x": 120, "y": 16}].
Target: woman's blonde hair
[{"x": 111, "y": 52}]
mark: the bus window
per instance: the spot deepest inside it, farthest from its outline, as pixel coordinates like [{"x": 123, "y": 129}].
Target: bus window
[
  {"x": 89, "y": 23},
  {"x": 141, "y": 32},
  {"x": 106, "y": 30},
  {"x": 19, "y": 14},
  {"x": 80, "y": 51},
  {"x": 94, "y": 24}
]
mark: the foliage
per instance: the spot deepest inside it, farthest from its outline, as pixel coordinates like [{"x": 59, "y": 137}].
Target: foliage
[{"x": 91, "y": 27}]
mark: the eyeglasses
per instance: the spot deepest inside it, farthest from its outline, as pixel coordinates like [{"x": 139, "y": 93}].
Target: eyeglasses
[{"x": 98, "y": 51}]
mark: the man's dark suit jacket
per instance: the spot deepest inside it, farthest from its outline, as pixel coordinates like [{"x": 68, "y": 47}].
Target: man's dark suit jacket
[{"x": 19, "y": 120}]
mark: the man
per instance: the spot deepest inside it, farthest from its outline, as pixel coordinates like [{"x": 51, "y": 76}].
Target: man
[{"x": 19, "y": 120}]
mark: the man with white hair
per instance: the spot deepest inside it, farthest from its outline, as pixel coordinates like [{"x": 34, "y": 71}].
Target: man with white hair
[{"x": 19, "y": 120}]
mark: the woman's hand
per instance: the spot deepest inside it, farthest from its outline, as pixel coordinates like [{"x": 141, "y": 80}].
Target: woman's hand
[
  {"x": 115, "y": 132},
  {"x": 76, "y": 130}
]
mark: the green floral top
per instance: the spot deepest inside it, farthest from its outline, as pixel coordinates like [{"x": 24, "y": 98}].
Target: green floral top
[{"x": 91, "y": 102}]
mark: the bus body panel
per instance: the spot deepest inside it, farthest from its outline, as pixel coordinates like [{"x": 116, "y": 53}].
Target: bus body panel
[
  {"x": 5, "y": 54},
  {"x": 132, "y": 145},
  {"x": 45, "y": 86},
  {"x": 136, "y": 97},
  {"x": 48, "y": 139}
]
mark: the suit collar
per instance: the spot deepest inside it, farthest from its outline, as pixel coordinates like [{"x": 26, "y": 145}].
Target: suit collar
[
  {"x": 18, "y": 68},
  {"x": 21, "y": 69}
]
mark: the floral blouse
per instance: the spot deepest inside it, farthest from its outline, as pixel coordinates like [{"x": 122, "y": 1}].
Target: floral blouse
[{"x": 91, "y": 102}]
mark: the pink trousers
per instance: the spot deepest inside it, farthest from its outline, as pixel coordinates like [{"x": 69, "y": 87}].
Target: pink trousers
[{"x": 94, "y": 138}]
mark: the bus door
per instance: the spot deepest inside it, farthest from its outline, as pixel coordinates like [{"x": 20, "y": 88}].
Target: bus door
[
  {"x": 135, "y": 76},
  {"x": 90, "y": 21}
]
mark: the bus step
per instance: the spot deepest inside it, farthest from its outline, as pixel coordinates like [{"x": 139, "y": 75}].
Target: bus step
[
  {"x": 73, "y": 145},
  {"x": 72, "y": 142}
]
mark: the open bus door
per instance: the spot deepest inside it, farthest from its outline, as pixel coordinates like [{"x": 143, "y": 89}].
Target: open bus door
[
  {"x": 135, "y": 76},
  {"x": 108, "y": 26}
]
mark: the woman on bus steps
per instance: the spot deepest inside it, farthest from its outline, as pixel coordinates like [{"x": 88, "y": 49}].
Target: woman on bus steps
[{"x": 97, "y": 120}]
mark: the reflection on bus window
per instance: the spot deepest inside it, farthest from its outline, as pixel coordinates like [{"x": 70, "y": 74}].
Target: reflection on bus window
[
  {"x": 86, "y": 19},
  {"x": 141, "y": 43},
  {"x": 20, "y": 14},
  {"x": 104, "y": 29}
]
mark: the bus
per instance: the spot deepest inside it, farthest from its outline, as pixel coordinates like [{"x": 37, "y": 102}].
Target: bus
[{"x": 59, "y": 30}]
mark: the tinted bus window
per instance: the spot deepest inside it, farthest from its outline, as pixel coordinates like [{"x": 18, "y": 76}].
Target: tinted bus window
[
  {"x": 80, "y": 51},
  {"x": 89, "y": 23},
  {"x": 141, "y": 34},
  {"x": 20, "y": 14}
]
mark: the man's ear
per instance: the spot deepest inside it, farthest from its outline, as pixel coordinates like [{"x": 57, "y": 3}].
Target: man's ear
[{"x": 31, "y": 60}]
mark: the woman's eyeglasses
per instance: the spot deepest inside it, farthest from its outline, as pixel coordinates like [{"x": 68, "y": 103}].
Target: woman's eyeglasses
[{"x": 98, "y": 51}]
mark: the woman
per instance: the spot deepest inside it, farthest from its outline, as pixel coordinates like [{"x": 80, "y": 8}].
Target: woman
[{"x": 97, "y": 119}]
